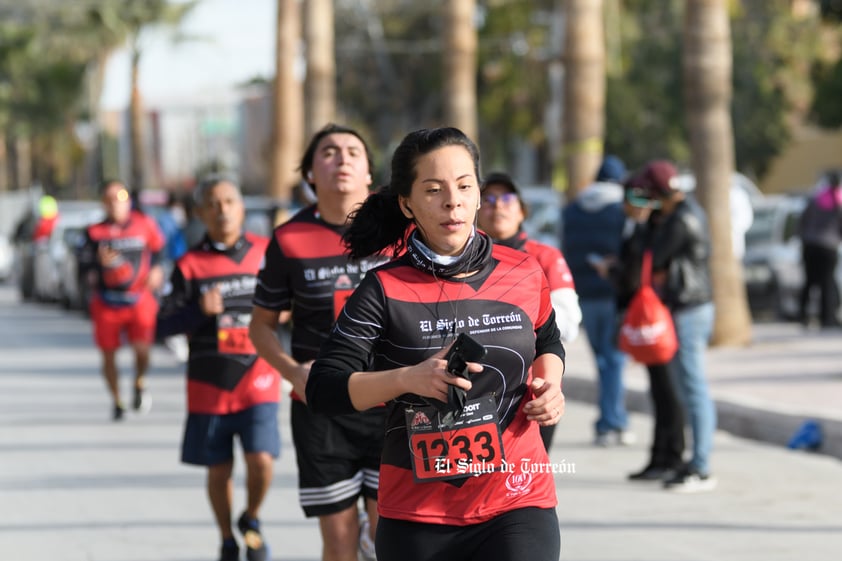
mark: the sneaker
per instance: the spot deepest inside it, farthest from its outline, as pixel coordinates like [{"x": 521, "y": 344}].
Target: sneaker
[
  {"x": 615, "y": 438},
  {"x": 118, "y": 412},
  {"x": 256, "y": 548},
  {"x": 626, "y": 438},
  {"x": 229, "y": 551},
  {"x": 689, "y": 480},
  {"x": 142, "y": 402},
  {"x": 366, "y": 549},
  {"x": 652, "y": 473}
]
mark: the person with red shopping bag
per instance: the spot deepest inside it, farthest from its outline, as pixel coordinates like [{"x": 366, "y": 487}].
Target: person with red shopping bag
[
  {"x": 672, "y": 225},
  {"x": 625, "y": 271}
]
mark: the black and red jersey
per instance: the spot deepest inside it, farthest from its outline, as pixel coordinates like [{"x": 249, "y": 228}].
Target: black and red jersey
[
  {"x": 139, "y": 242},
  {"x": 306, "y": 270},
  {"x": 552, "y": 262},
  {"x": 400, "y": 316},
  {"x": 551, "y": 259},
  {"x": 224, "y": 373}
]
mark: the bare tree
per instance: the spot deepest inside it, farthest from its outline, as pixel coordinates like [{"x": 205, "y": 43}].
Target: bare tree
[
  {"x": 320, "y": 84},
  {"x": 584, "y": 91},
  {"x": 287, "y": 104},
  {"x": 707, "y": 86},
  {"x": 460, "y": 66}
]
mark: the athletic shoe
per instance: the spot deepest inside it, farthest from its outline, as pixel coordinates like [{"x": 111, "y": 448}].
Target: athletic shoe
[
  {"x": 689, "y": 480},
  {"x": 229, "y": 551},
  {"x": 366, "y": 549},
  {"x": 256, "y": 548},
  {"x": 142, "y": 402},
  {"x": 615, "y": 438},
  {"x": 652, "y": 473},
  {"x": 118, "y": 412}
]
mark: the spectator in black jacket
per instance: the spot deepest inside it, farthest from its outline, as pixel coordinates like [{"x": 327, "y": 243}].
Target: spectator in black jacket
[
  {"x": 680, "y": 253},
  {"x": 820, "y": 230}
]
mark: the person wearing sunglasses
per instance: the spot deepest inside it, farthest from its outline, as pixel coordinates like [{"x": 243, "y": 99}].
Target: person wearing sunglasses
[
  {"x": 672, "y": 225},
  {"x": 501, "y": 216}
]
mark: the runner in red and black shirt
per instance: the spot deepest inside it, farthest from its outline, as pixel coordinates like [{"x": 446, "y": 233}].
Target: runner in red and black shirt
[
  {"x": 230, "y": 390},
  {"x": 464, "y": 474},
  {"x": 307, "y": 273},
  {"x": 119, "y": 260}
]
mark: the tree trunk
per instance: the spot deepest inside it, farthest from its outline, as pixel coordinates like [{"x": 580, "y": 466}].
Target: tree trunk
[
  {"x": 92, "y": 175},
  {"x": 460, "y": 66},
  {"x": 138, "y": 152},
  {"x": 23, "y": 161},
  {"x": 287, "y": 105},
  {"x": 4, "y": 166},
  {"x": 707, "y": 87},
  {"x": 320, "y": 85},
  {"x": 584, "y": 92}
]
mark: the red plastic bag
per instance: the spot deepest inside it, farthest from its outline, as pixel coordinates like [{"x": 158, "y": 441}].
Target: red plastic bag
[{"x": 647, "y": 333}]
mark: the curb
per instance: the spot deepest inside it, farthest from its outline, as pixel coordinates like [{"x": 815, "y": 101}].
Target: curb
[{"x": 737, "y": 416}]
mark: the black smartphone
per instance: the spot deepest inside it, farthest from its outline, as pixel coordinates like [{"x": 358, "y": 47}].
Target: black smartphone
[{"x": 461, "y": 352}]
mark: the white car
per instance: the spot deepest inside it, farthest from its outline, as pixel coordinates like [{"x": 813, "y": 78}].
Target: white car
[
  {"x": 7, "y": 258},
  {"x": 772, "y": 266},
  {"x": 50, "y": 270}
]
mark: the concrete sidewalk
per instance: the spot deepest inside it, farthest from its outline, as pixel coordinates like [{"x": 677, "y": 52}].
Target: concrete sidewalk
[
  {"x": 74, "y": 486},
  {"x": 765, "y": 391}
]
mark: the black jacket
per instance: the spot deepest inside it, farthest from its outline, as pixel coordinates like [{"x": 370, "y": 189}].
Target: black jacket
[{"x": 680, "y": 244}]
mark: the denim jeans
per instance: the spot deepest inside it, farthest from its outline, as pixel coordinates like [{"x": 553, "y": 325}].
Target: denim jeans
[
  {"x": 599, "y": 317},
  {"x": 693, "y": 326}
]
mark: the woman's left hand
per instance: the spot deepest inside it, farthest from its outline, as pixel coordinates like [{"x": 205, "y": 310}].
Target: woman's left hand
[{"x": 548, "y": 406}]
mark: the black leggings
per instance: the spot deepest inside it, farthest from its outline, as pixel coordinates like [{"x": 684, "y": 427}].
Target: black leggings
[
  {"x": 523, "y": 534},
  {"x": 668, "y": 429},
  {"x": 819, "y": 267}
]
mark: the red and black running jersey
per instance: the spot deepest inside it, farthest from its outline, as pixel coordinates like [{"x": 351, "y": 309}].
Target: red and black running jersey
[
  {"x": 399, "y": 316},
  {"x": 139, "y": 242},
  {"x": 552, "y": 262},
  {"x": 224, "y": 373},
  {"x": 306, "y": 270}
]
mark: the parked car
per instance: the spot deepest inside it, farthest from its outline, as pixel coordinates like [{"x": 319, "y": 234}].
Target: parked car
[
  {"x": 543, "y": 222},
  {"x": 50, "y": 268},
  {"x": 772, "y": 266},
  {"x": 73, "y": 290},
  {"x": 687, "y": 183},
  {"x": 7, "y": 257}
]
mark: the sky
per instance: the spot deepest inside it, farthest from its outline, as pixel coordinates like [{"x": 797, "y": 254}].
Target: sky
[{"x": 236, "y": 40}]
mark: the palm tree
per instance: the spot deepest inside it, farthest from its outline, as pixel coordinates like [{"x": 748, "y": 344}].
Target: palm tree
[
  {"x": 584, "y": 92},
  {"x": 460, "y": 66},
  {"x": 127, "y": 18},
  {"x": 288, "y": 105},
  {"x": 320, "y": 84},
  {"x": 707, "y": 87}
]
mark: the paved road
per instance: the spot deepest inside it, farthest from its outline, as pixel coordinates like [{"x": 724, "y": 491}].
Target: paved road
[{"x": 74, "y": 486}]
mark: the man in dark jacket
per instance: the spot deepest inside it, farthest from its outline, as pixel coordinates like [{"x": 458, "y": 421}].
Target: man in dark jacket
[{"x": 593, "y": 227}]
